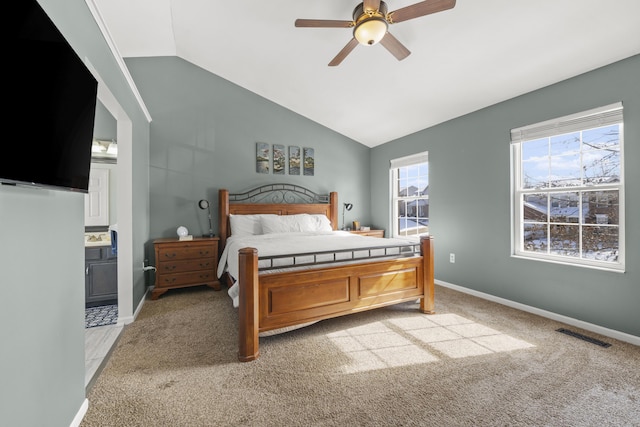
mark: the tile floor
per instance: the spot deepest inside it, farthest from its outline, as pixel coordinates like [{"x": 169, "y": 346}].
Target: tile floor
[{"x": 99, "y": 341}]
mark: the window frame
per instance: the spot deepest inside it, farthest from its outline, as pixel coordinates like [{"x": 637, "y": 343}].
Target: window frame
[
  {"x": 395, "y": 165},
  {"x": 584, "y": 121}
]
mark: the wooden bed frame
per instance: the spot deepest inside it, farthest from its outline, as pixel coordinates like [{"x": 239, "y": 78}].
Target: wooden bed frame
[{"x": 277, "y": 300}]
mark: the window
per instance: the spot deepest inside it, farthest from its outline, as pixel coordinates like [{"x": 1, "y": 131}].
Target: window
[
  {"x": 568, "y": 192},
  {"x": 410, "y": 195}
]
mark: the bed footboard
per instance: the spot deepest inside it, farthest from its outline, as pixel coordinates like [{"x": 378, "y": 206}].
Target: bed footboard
[{"x": 277, "y": 300}]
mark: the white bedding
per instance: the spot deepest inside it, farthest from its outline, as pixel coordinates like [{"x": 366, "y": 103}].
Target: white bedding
[{"x": 294, "y": 243}]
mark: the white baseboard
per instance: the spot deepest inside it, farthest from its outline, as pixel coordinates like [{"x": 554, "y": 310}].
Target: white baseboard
[
  {"x": 139, "y": 307},
  {"x": 126, "y": 320},
  {"x": 611, "y": 333},
  {"x": 80, "y": 415}
]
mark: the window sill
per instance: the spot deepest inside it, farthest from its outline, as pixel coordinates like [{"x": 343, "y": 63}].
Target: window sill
[{"x": 612, "y": 269}]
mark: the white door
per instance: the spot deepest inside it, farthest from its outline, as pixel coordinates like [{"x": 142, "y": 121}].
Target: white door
[{"x": 96, "y": 203}]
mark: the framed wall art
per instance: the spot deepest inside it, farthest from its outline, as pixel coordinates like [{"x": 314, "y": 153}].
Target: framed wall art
[
  {"x": 309, "y": 161},
  {"x": 279, "y": 159},
  {"x": 294, "y": 160},
  {"x": 263, "y": 157}
]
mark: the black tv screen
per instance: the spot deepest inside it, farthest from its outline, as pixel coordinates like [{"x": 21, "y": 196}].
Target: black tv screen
[{"x": 52, "y": 102}]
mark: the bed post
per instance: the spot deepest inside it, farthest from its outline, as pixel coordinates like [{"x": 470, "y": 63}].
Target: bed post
[
  {"x": 248, "y": 310},
  {"x": 223, "y": 218},
  {"x": 427, "y": 304},
  {"x": 333, "y": 210}
]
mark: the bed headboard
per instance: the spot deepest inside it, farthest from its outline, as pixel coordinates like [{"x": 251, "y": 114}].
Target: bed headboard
[{"x": 279, "y": 199}]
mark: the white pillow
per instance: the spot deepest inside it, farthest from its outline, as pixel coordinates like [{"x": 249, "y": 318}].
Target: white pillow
[
  {"x": 323, "y": 222},
  {"x": 288, "y": 223},
  {"x": 247, "y": 225}
]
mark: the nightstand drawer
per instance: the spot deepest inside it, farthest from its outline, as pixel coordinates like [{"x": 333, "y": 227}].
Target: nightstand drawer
[
  {"x": 190, "y": 252},
  {"x": 372, "y": 233},
  {"x": 186, "y": 279},
  {"x": 168, "y": 267}
]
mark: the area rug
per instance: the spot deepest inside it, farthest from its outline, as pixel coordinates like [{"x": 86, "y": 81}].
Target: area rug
[{"x": 101, "y": 316}]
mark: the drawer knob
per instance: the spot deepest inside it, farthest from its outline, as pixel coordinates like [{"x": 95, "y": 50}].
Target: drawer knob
[
  {"x": 203, "y": 253},
  {"x": 170, "y": 255},
  {"x": 170, "y": 280}
]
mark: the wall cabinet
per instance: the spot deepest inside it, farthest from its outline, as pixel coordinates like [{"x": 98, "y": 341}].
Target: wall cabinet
[{"x": 101, "y": 276}]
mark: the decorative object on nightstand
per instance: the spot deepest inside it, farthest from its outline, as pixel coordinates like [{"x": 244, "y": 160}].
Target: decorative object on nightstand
[
  {"x": 204, "y": 204},
  {"x": 348, "y": 207},
  {"x": 356, "y": 225},
  {"x": 183, "y": 233},
  {"x": 181, "y": 264}
]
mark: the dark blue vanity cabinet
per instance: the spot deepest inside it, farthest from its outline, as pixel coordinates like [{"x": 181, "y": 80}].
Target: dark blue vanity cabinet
[{"x": 101, "y": 276}]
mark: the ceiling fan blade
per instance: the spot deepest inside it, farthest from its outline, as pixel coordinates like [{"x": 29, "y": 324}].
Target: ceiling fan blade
[
  {"x": 420, "y": 9},
  {"x": 343, "y": 53},
  {"x": 394, "y": 46},
  {"x": 323, "y": 23},
  {"x": 371, "y": 4}
]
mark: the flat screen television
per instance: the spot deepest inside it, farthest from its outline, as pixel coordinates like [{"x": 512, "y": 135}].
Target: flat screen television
[{"x": 52, "y": 102}]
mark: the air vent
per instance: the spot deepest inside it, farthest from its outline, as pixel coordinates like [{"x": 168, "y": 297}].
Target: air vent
[{"x": 584, "y": 337}]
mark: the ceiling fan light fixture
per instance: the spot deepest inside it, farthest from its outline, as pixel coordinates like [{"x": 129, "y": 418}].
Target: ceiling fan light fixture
[
  {"x": 371, "y": 20},
  {"x": 370, "y": 31}
]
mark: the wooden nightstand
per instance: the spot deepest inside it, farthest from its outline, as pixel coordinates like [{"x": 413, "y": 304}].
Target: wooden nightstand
[
  {"x": 372, "y": 233},
  {"x": 184, "y": 263}
]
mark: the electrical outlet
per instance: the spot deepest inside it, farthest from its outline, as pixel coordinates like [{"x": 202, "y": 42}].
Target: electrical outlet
[{"x": 452, "y": 258}]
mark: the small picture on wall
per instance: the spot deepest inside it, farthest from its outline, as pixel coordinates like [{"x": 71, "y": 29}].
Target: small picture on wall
[
  {"x": 294, "y": 160},
  {"x": 262, "y": 157},
  {"x": 279, "y": 159},
  {"x": 309, "y": 161}
]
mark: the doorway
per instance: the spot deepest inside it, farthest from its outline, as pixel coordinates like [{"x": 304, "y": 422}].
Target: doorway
[
  {"x": 96, "y": 357},
  {"x": 124, "y": 199},
  {"x": 101, "y": 224}
]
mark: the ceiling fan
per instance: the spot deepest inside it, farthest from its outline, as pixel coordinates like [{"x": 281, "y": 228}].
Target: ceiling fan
[{"x": 371, "y": 21}]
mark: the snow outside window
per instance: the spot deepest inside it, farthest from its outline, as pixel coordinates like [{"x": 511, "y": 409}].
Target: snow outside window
[
  {"x": 410, "y": 195},
  {"x": 567, "y": 189}
]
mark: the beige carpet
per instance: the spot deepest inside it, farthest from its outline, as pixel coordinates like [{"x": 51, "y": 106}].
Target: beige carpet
[{"x": 474, "y": 363}]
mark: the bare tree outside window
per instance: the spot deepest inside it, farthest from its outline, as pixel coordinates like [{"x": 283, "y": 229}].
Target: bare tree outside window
[{"x": 568, "y": 190}]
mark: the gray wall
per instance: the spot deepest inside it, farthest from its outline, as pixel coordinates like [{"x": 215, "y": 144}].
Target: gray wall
[
  {"x": 105, "y": 125},
  {"x": 42, "y": 316},
  {"x": 469, "y": 190},
  {"x": 42, "y": 262},
  {"x": 203, "y": 138}
]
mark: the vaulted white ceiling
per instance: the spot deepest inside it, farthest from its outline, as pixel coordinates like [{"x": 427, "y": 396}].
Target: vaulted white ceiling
[{"x": 477, "y": 54}]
